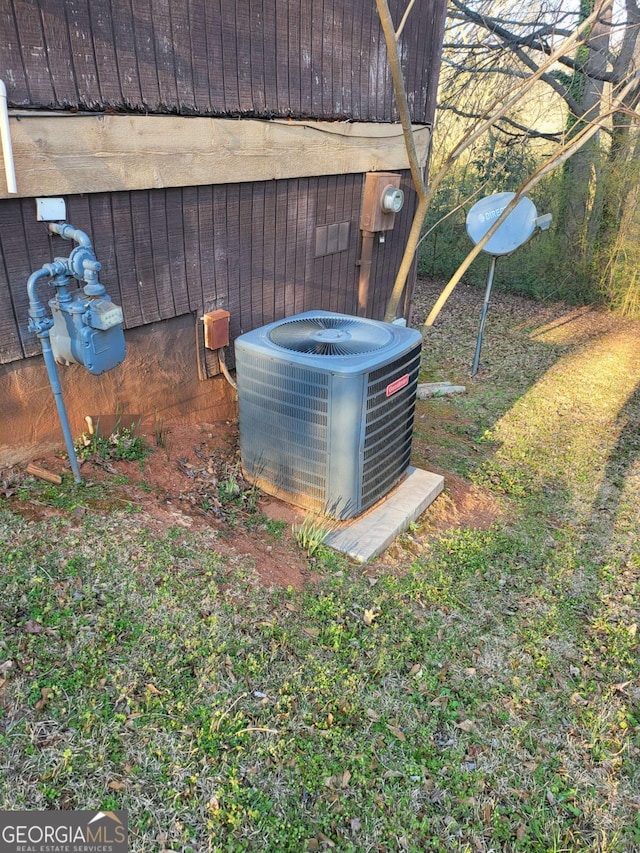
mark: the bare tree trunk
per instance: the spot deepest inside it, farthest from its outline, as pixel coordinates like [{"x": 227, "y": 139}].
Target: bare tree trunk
[{"x": 580, "y": 204}]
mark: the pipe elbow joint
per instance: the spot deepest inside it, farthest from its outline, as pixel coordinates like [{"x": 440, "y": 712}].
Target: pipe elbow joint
[
  {"x": 68, "y": 232},
  {"x": 36, "y": 308},
  {"x": 32, "y": 282}
]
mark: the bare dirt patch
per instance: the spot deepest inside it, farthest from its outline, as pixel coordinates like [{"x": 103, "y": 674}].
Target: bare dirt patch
[
  {"x": 183, "y": 483},
  {"x": 462, "y": 504},
  {"x": 193, "y": 480}
]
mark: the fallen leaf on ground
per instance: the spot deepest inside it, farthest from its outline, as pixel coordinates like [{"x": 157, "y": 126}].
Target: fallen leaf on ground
[
  {"x": 466, "y": 725},
  {"x": 437, "y": 796},
  {"x": 45, "y": 695},
  {"x": 396, "y": 732},
  {"x": 369, "y": 615},
  {"x": 391, "y": 774}
]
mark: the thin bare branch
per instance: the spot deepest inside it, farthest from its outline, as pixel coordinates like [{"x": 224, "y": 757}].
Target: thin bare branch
[
  {"x": 557, "y": 159},
  {"x": 452, "y": 211},
  {"x": 534, "y": 40},
  {"x": 401, "y": 95},
  {"x": 528, "y": 132},
  {"x": 496, "y": 111},
  {"x": 404, "y": 19}
]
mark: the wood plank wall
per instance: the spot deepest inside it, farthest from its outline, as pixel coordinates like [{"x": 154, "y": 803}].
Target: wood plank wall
[
  {"x": 260, "y": 58},
  {"x": 249, "y": 248}
]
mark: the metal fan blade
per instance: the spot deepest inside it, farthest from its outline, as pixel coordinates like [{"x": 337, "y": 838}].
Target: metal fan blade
[{"x": 324, "y": 335}]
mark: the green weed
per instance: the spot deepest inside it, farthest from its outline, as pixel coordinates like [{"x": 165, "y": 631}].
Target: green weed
[
  {"x": 122, "y": 444},
  {"x": 311, "y": 533}
]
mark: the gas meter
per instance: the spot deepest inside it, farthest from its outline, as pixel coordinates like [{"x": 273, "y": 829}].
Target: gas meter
[
  {"x": 85, "y": 326},
  {"x": 87, "y": 329}
]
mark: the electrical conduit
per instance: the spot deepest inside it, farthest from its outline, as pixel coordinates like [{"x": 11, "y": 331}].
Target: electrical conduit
[{"x": 5, "y": 137}]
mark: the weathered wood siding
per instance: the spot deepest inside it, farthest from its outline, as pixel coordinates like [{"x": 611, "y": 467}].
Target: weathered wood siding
[
  {"x": 58, "y": 154},
  {"x": 230, "y": 57},
  {"x": 249, "y": 248}
]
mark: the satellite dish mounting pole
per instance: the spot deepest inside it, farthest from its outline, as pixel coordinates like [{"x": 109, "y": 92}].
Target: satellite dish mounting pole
[
  {"x": 483, "y": 316},
  {"x": 516, "y": 229}
]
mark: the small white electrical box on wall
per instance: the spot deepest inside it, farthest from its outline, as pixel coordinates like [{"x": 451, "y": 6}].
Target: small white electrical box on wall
[{"x": 51, "y": 210}]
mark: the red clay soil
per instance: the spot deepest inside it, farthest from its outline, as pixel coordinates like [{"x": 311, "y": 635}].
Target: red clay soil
[
  {"x": 462, "y": 504},
  {"x": 178, "y": 484}
]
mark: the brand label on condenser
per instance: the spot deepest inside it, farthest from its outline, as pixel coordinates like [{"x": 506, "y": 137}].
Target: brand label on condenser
[{"x": 397, "y": 385}]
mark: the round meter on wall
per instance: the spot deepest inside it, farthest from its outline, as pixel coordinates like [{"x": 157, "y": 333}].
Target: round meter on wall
[{"x": 392, "y": 199}]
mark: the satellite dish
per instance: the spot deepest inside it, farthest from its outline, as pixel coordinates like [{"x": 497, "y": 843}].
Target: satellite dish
[
  {"x": 514, "y": 232},
  {"x": 517, "y": 228}
]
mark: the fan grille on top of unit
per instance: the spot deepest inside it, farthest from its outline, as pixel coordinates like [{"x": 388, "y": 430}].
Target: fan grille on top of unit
[{"x": 330, "y": 336}]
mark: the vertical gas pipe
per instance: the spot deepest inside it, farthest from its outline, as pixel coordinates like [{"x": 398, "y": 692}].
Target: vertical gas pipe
[{"x": 40, "y": 323}]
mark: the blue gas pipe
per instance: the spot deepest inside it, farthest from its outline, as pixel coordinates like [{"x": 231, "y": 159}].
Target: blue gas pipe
[
  {"x": 41, "y": 324},
  {"x": 86, "y": 327}
]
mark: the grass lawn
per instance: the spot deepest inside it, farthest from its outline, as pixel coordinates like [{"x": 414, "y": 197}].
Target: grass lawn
[{"x": 475, "y": 689}]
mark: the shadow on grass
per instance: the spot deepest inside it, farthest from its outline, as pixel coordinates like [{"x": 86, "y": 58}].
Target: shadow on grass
[{"x": 615, "y": 510}]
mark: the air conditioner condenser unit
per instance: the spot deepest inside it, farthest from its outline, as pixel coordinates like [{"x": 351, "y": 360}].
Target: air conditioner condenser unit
[{"x": 326, "y": 406}]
